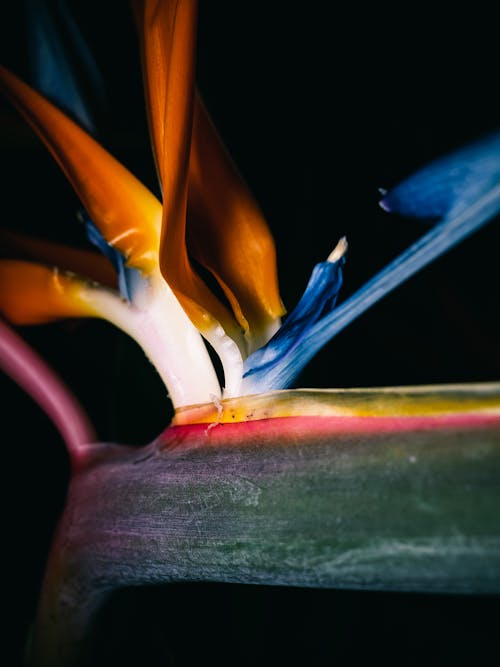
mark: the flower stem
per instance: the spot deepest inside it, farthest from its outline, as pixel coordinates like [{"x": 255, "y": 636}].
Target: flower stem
[{"x": 26, "y": 368}]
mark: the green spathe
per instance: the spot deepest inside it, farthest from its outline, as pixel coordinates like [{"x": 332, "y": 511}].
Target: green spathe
[{"x": 381, "y": 510}]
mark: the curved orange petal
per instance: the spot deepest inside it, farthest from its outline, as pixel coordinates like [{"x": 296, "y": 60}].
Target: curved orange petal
[
  {"x": 33, "y": 294},
  {"x": 167, "y": 30},
  {"x": 126, "y": 213},
  {"x": 227, "y": 232},
  {"x": 84, "y": 262}
]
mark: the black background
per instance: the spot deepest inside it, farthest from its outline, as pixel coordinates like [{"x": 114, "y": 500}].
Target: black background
[{"x": 319, "y": 107}]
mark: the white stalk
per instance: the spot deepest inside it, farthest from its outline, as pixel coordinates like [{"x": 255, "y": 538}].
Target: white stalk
[
  {"x": 156, "y": 320},
  {"x": 231, "y": 359}
]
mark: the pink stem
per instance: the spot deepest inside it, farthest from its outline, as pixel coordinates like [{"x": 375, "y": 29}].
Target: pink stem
[{"x": 30, "y": 372}]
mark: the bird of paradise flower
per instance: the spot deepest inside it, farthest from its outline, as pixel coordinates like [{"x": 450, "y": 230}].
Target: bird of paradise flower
[
  {"x": 159, "y": 298},
  {"x": 161, "y": 301}
]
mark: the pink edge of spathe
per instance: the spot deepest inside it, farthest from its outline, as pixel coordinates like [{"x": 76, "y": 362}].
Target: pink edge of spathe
[
  {"x": 29, "y": 371},
  {"x": 276, "y": 431}
]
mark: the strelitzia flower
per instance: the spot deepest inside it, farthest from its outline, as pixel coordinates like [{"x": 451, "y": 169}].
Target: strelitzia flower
[
  {"x": 146, "y": 282},
  {"x": 207, "y": 214}
]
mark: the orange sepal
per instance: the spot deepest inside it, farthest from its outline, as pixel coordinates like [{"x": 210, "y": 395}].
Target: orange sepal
[
  {"x": 155, "y": 21},
  {"x": 83, "y": 262},
  {"x": 167, "y": 31},
  {"x": 32, "y": 294},
  {"x": 126, "y": 213},
  {"x": 227, "y": 232}
]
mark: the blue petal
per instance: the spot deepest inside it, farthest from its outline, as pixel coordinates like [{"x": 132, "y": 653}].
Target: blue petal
[
  {"x": 264, "y": 366},
  {"x": 127, "y": 278},
  {"x": 449, "y": 184},
  {"x": 466, "y": 211},
  {"x": 62, "y": 66}
]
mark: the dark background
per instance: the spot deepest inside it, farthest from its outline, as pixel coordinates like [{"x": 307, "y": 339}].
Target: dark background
[{"x": 319, "y": 107}]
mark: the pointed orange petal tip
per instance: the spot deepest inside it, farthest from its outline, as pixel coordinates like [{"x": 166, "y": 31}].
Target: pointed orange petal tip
[
  {"x": 126, "y": 213},
  {"x": 32, "y": 294}
]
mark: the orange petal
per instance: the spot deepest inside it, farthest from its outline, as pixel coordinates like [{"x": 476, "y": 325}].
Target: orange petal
[
  {"x": 33, "y": 294},
  {"x": 125, "y": 212},
  {"x": 227, "y": 232},
  {"x": 167, "y": 30},
  {"x": 155, "y": 22},
  {"x": 84, "y": 262}
]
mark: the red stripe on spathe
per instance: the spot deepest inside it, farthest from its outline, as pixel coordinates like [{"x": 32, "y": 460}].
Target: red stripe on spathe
[{"x": 287, "y": 431}]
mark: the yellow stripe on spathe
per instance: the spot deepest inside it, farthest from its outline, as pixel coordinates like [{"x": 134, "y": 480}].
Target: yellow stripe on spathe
[{"x": 421, "y": 401}]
